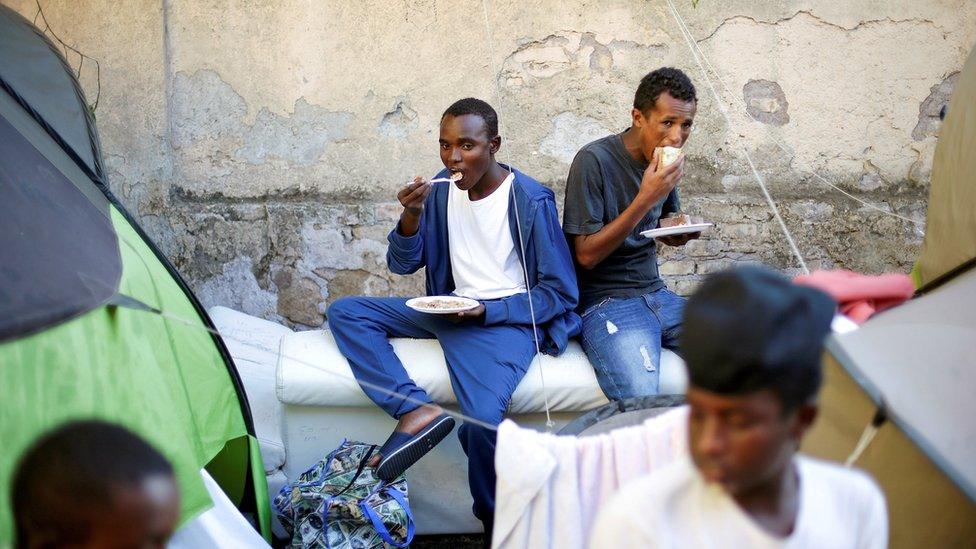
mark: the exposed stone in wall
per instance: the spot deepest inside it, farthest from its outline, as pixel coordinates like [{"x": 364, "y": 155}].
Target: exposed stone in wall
[
  {"x": 835, "y": 233},
  {"x": 928, "y": 112},
  {"x": 766, "y": 102},
  {"x": 237, "y": 288},
  {"x": 298, "y": 298},
  {"x": 287, "y": 261}
]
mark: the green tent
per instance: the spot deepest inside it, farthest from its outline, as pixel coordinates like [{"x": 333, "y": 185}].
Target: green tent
[{"x": 94, "y": 321}]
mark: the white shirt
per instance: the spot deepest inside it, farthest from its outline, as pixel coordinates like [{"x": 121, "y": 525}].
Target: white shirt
[
  {"x": 676, "y": 508},
  {"x": 483, "y": 257}
]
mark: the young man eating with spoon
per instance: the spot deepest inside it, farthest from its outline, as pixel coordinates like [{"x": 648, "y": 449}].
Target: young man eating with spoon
[{"x": 490, "y": 234}]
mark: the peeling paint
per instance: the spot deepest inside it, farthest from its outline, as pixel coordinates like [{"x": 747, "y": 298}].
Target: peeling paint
[
  {"x": 399, "y": 123},
  {"x": 207, "y": 108},
  {"x": 569, "y": 132},
  {"x": 204, "y": 106},
  {"x": 929, "y": 121},
  {"x": 299, "y": 138},
  {"x": 568, "y": 50}
]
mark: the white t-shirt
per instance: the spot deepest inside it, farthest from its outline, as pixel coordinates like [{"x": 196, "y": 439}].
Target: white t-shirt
[
  {"x": 483, "y": 256},
  {"x": 676, "y": 508}
]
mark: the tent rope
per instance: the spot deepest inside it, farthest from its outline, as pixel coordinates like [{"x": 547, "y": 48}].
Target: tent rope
[
  {"x": 345, "y": 377},
  {"x": 780, "y": 144},
  {"x": 745, "y": 151},
  {"x": 880, "y": 416},
  {"x": 862, "y": 444},
  {"x": 535, "y": 331}
]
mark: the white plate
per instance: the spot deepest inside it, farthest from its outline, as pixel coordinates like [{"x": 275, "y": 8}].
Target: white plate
[
  {"x": 423, "y": 304},
  {"x": 677, "y": 229}
]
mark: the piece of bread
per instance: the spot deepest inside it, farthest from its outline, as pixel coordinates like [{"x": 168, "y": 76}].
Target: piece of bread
[
  {"x": 674, "y": 221},
  {"x": 668, "y": 155}
]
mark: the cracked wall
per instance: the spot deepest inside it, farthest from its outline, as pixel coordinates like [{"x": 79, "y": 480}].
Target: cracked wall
[{"x": 261, "y": 144}]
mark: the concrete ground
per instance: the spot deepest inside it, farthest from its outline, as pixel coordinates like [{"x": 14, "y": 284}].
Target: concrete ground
[{"x": 449, "y": 541}]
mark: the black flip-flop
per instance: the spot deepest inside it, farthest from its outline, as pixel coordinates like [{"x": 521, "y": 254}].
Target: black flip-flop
[{"x": 402, "y": 450}]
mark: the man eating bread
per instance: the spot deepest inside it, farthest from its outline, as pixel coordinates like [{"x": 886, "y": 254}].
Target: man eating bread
[{"x": 619, "y": 186}]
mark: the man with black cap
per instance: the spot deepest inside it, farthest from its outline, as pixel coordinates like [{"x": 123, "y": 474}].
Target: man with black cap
[{"x": 753, "y": 343}]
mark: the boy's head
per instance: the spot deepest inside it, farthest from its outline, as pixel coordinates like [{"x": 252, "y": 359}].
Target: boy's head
[
  {"x": 93, "y": 484},
  {"x": 469, "y": 140},
  {"x": 664, "y": 109},
  {"x": 752, "y": 342}
]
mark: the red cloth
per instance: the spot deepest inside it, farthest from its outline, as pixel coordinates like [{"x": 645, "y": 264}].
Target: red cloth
[{"x": 861, "y": 296}]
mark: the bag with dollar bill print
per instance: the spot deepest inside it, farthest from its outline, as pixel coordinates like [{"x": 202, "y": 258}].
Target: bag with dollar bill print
[{"x": 340, "y": 503}]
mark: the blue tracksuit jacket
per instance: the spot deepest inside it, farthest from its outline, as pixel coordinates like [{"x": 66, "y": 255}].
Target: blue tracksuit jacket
[{"x": 547, "y": 261}]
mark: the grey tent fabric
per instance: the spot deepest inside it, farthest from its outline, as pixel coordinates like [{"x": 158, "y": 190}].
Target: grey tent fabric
[
  {"x": 60, "y": 254},
  {"x": 917, "y": 361},
  {"x": 32, "y": 71},
  {"x": 899, "y": 390}
]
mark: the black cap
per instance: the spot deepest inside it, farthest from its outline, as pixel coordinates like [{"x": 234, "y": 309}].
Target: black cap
[{"x": 749, "y": 328}]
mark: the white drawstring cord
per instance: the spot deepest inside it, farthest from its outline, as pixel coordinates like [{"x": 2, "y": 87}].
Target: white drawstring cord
[
  {"x": 528, "y": 288},
  {"x": 518, "y": 224}
]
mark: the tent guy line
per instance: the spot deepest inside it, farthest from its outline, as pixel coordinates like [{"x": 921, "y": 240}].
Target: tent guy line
[
  {"x": 779, "y": 144},
  {"x": 458, "y": 415},
  {"x": 745, "y": 151},
  {"x": 158, "y": 310},
  {"x": 862, "y": 444}
]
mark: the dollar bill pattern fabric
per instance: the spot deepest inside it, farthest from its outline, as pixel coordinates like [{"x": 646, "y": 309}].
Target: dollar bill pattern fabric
[{"x": 323, "y": 507}]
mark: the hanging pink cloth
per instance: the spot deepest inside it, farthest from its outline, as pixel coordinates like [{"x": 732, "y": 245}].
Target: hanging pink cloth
[{"x": 861, "y": 296}]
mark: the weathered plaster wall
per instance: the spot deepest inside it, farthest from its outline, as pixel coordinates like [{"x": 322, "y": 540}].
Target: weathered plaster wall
[{"x": 260, "y": 143}]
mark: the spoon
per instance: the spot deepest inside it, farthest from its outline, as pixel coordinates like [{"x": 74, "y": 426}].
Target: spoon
[{"x": 456, "y": 176}]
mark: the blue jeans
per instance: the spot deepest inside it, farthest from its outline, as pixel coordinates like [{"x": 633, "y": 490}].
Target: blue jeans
[{"x": 623, "y": 338}]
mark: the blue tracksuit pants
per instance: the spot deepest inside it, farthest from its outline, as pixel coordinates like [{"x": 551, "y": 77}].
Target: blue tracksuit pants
[{"x": 485, "y": 363}]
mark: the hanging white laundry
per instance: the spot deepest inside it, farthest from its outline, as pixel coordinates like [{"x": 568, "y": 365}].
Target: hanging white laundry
[{"x": 549, "y": 488}]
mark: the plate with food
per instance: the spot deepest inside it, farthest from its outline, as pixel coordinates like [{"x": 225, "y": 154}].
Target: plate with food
[
  {"x": 677, "y": 224},
  {"x": 442, "y": 304}
]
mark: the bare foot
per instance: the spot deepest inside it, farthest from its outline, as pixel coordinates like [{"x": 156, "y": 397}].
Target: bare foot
[{"x": 411, "y": 423}]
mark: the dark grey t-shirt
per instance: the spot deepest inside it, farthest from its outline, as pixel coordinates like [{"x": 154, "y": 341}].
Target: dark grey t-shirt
[{"x": 603, "y": 181}]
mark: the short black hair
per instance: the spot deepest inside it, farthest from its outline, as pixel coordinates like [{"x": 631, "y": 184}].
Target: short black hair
[
  {"x": 749, "y": 328},
  {"x": 470, "y": 105},
  {"x": 665, "y": 79},
  {"x": 73, "y": 469}
]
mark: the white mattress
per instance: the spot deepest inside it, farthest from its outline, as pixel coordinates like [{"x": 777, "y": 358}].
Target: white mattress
[
  {"x": 312, "y": 372},
  {"x": 253, "y": 344}
]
